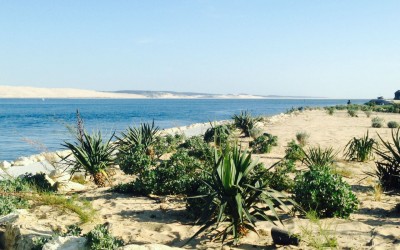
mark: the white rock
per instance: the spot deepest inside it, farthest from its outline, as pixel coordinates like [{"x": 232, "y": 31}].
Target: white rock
[
  {"x": 69, "y": 186},
  {"x": 59, "y": 175},
  {"x": 51, "y": 181},
  {"x": 11, "y": 217},
  {"x": 5, "y": 164},
  {"x": 148, "y": 247},
  {"x": 66, "y": 243},
  {"x": 22, "y": 161}
]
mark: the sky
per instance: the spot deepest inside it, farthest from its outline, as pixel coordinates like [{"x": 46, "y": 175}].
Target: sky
[{"x": 336, "y": 49}]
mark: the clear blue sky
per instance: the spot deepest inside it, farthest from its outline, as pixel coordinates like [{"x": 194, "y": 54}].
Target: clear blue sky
[{"x": 338, "y": 49}]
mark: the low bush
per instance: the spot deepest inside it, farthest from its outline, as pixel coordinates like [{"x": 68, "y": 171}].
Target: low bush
[
  {"x": 264, "y": 143},
  {"x": 360, "y": 149},
  {"x": 368, "y": 113},
  {"x": 100, "y": 238},
  {"x": 330, "y": 110},
  {"x": 325, "y": 193},
  {"x": 352, "y": 112},
  {"x": 134, "y": 160},
  {"x": 10, "y": 195},
  {"x": 167, "y": 144},
  {"x": 276, "y": 177},
  {"x": 294, "y": 151},
  {"x": 302, "y": 138},
  {"x": 39, "y": 182},
  {"x": 377, "y": 122},
  {"x": 393, "y": 124},
  {"x": 218, "y": 134}
]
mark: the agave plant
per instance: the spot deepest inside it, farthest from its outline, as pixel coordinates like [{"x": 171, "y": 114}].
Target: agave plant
[
  {"x": 91, "y": 155},
  {"x": 388, "y": 168},
  {"x": 145, "y": 136},
  {"x": 319, "y": 157},
  {"x": 219, "y": 134},
  {"x": 360, "y": 149},
  {"x": 245, "y": 121},
  {"x": 235, "y": 201}
]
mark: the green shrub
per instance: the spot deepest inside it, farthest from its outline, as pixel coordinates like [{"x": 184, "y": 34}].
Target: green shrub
[
  {"x": 10, "y": 198},
  {"x": 352, "y": 112},
  {"x": 199, "y": 149},
  {"x": 218, "y": 134},
  {"x": 167, "y": 144},
  {"x": 134, "y": 160},
  {"x": 377, "y": 122},
  {"x": 388, "y": 167},
  {"x": 233, "y": 199},
  {"x": 368, "y": 113},
  {"x": 302, "y": 138},
  {"x": 324, "y": 192},
  {"x": 330, "y": 110},
  {"x": 264, "y": 143},
  {"x": 276, "y": 177},
  {"x": 319, "y": 157},
  {"x": 245, "y": 121},
  {"x": 38, "y": 181},
  {"x": 360, "y": 149},
  {"x": 393, "y": 124},
  {"x": 294, "y": 151},
  {"x": 100, "y": 238}
]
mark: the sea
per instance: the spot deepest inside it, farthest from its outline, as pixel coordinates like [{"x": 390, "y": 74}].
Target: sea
[{"x": 31, "y": 126}]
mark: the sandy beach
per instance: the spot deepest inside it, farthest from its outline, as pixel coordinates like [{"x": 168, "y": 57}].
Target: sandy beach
[{"x": 163, "y": 220}]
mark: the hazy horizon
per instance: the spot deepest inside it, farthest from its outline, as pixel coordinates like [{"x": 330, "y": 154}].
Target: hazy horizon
[{"x": 335, "y": 49}]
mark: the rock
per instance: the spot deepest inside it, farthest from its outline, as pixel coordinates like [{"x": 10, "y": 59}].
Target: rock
[
  {"x": 51, "y": 181},
  {"x": 148, "y": 247},
  {"x": 5, "y": 164},
  {"x": 22, "y": 161},
  {"x": 11, "y": 217},
  {"x": 69, "y": 186},
  {"x": 59, "y": 175},
  {"x": 21, "y": 231},
  {"x": 66, "y": 243}
]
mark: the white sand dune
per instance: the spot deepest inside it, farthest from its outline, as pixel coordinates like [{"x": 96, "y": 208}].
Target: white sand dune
[{"x": 31, "y": 92}]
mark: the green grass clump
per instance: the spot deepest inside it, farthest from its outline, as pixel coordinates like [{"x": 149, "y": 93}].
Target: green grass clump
[
  {"x": 393, "y": 124},
  {"x": 263, "y": 144},
  {"x": 302, "y": 138},
  {"x": 319, "y": 157},
  {"x": 352, "y": 112},
  {"x": 377, "y": 122},
  {"x": 330, "y": 110},
  {"x": 325, "y": 193},
  {"x": 388, "y": 166},
  {"x": 360, "y": 149}
]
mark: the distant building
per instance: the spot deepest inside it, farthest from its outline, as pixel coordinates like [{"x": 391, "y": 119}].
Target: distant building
[{"x": 397, "y": 95}]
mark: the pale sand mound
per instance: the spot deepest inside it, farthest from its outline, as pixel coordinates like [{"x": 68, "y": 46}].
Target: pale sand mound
[
  {"x": 31, "y": 92},
  {"x": 374, "y": 225}
]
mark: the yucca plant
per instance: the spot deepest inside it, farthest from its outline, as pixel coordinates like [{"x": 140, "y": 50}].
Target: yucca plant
[
  {"x": 144, "y": 135},
  {"x": 91, "y": 155},
  {"x": 388, "y": 167},
  {"x": 245, "y": 121},
  {"x": 235, "y": 202},
  {"x": 360, "y": 149},
  {"x": 319, "y": 157},
  {"x": 218, "y": 134}
]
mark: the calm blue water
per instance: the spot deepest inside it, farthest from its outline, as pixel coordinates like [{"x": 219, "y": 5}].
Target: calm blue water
[{"x": 45, "y": 122}]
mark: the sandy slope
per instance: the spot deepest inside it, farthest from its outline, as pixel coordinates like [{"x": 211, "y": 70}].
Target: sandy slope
[
  {"x": 31, "y": 92},
  {"x": 373, "y": 226}
]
